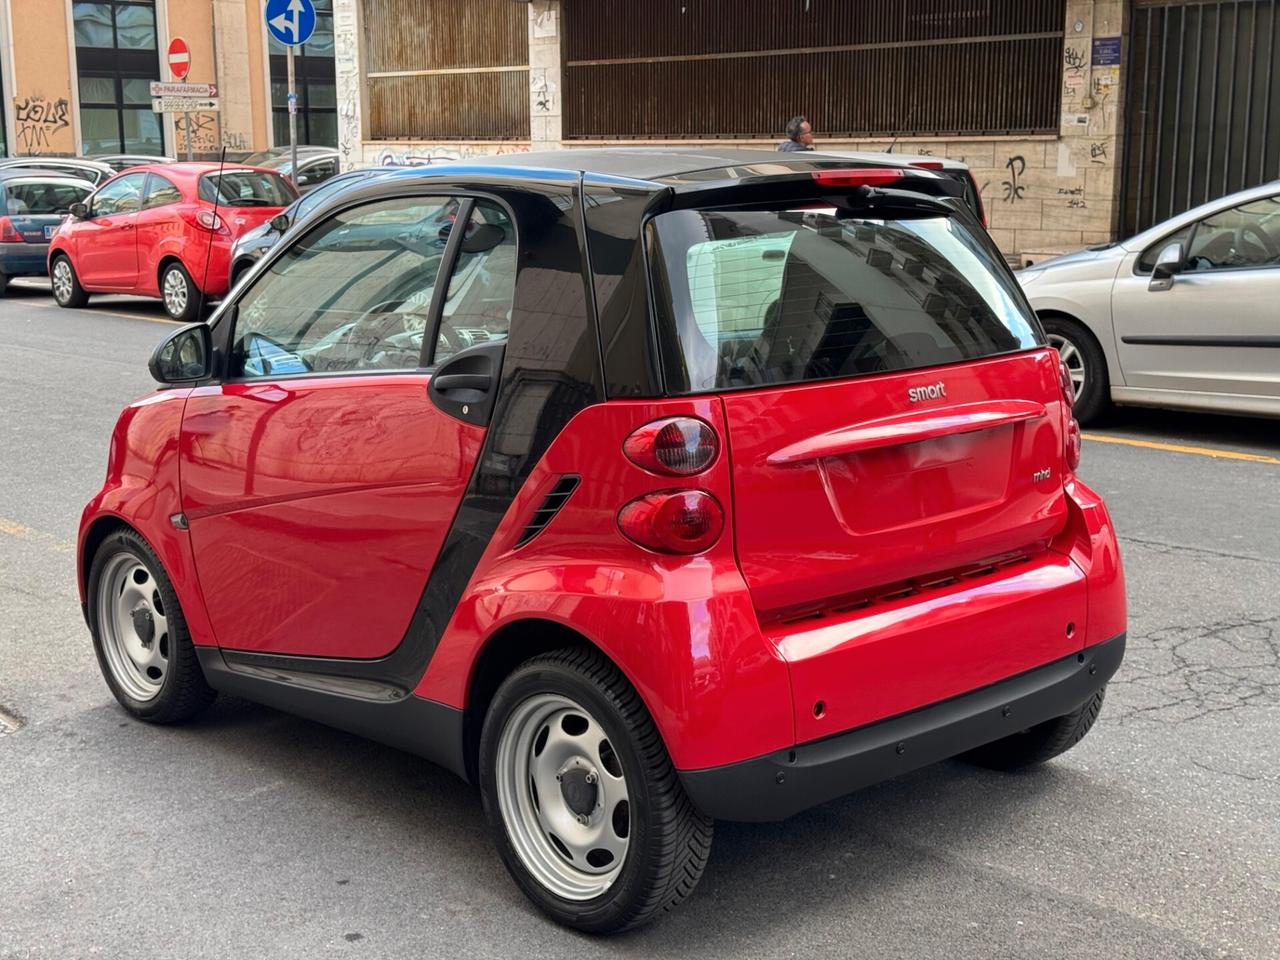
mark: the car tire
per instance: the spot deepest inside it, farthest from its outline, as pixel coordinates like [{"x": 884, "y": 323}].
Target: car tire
[
  {"x": 1042, "y": 742},
  {"x": 182, "y": 301},
  {"x": 634, "y": 845},
  {"x": 67, "y": 291},
  {"x": 4, "y": 284},
  {"x": 1086, "y": 362},
  {"x": 140, "y": 634}
]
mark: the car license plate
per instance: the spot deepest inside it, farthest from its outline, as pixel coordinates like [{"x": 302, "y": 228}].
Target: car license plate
[{"x": 48, "y": 231}]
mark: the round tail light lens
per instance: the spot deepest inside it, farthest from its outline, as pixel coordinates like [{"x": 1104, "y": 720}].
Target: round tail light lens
[
  {"x": 1073, "y": 444},
  {"x": 673, "y": 521},
  {"x": 676, "y": 446}
]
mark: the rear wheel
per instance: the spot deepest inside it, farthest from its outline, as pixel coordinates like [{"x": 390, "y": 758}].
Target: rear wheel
[
  {"x": 585, "y": 807},
  {"x": 181, "y": 299},
  {"x": 1042, "y": 742},
  {"x": 66, "y": 285},
  {"x": 140, "y": 634},
  {"x": 1085, "y": 362}
]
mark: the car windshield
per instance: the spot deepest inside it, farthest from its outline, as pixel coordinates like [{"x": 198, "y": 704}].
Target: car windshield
[
  {"x": 753, "y": 297},
  {"x": 246, "y": 188},
  {"x": 40, "y": 196}
]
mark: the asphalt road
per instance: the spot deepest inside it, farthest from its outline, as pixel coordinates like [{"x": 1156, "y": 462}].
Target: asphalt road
[{"x": 254, "y": 834}]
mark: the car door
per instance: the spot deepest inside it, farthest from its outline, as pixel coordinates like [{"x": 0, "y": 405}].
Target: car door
[
  {"x": 1217, "y": 329},
  {"x": 157, "y": 220},
  {"x": 106, "y": 254},
  {"x": 319, "y": 478}
]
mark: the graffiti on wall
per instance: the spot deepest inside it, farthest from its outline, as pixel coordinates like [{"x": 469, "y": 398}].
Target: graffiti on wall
[
  {"x": 1013, "y": 190},
  {"x": 39, "y": 120},
  {"x": 347, "y": 76}
]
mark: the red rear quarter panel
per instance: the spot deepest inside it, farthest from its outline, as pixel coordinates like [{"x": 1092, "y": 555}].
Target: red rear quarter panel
[
  {"x": 682, "y": 629},
  {"x": 141, "y": 490}
]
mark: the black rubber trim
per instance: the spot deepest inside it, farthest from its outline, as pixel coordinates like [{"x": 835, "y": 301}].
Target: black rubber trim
[
  {"x": 380, "y": 712},
  {"x": 1205, "y": 341},
  {"x": 777, "y": 785}
]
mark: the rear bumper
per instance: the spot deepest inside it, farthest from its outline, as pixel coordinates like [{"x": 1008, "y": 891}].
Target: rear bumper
[
  {"x": 779, "y": 784},
  {"x": 26, "y": 259}
]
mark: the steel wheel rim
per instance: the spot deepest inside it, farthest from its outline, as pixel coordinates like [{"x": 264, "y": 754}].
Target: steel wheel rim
[
  {"x": 175, "y": 292},
  {"x": 133, "y": 629},
  {"x": 62, "y": 281},
  {"x": 1073, "y": 357},
  {"x": 558, "y": 776}
]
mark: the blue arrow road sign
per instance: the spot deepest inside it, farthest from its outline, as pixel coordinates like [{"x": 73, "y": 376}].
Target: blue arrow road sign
[{"x": 291, "y": 22}]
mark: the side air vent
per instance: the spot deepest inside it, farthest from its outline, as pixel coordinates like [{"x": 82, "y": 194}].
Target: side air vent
[{"x": 556, "y": 499}]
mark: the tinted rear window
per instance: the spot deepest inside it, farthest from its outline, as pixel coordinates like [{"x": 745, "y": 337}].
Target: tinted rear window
[
  {"x": 38, "y": 197},
  {"x": 754, "y": 297},
  {"x": 247, "y": 188}
]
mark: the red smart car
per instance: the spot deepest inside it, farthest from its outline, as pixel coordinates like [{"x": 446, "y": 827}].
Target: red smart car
[
  {"x": 675, "y": 486},
  {"x": 162, "y": 230}
]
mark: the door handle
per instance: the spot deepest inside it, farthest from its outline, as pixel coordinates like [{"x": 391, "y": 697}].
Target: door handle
[{"x": 463, "y": 381}]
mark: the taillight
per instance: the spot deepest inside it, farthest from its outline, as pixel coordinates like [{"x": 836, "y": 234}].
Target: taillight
[
  {"x": 1068, "y": 385},
  {"x": 859, "y": 176},
  {"x": 676, "y": 446},
  {"x": 8, "y": 233},
  {"x": 209, "y": 220},
  {"x": 1073, "y": 444},
  {"x": 673, "y": 521}
]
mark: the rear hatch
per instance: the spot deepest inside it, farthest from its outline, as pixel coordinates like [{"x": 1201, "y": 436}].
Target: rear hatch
[
  {"x": 246, "y": 198},
  {"x": 36, "y": 205},
  {"x": 894, "y": 416}
]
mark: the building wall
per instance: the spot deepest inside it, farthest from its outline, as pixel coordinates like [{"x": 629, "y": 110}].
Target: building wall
[
  {"x": 1043, "y": 195},
  {"x": 41, "y": 92}
]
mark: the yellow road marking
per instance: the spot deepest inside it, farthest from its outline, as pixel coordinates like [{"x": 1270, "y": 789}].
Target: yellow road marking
[
  {"x": 21, "y": 531},
  {"x": 1179, "y": 448}
]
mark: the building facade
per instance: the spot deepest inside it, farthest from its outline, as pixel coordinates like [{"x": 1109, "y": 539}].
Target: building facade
[
  {"x": 1072, "y": 114},
  {"x": 75, "y": 77}
]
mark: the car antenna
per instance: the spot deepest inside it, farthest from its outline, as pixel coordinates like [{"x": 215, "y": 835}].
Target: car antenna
[{"x": 208, "y": 253}]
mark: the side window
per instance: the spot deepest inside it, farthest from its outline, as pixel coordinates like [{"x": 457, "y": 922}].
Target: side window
[
  {"x": 351, "y": 295},
  {"x": 1147, "y": 262},
  {"x": 1244, "y": 236},
  {"x": 120, "y": 196},
  {"x": 160, "y": 192},
  {"x": 483, "y": 284},
  {"x": 318, "y": 172}
]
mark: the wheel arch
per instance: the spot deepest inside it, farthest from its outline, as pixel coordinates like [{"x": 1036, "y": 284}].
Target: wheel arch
[
  {"x": 502, "y": 654},
  {"x": 94, "y": 535}
]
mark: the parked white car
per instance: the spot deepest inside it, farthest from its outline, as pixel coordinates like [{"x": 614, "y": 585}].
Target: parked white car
[{"x": 1184, "y": 315}]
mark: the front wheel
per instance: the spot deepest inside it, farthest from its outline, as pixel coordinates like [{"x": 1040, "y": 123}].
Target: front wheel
[
  {"x": 140, "y": 634},
  {"x": 66, "y": 285},
  {"x": 1085, "y": 363},
  {"x": 181, "y": 299},
  {"x": 584, "y": 804}
]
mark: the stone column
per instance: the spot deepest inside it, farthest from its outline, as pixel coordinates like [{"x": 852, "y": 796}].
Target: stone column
[
  {"x": 346, "y": 50},
  {"x": 235, "y": 68},
  {"x": 544, "y": 74}
]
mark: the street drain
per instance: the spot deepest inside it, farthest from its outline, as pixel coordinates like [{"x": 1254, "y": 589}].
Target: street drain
[{"x": 9, "y": 722}]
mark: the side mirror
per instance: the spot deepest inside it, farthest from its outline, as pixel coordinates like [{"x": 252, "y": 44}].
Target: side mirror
[
  {"x": 184, "y": 356},
  {"x": 80, "y": 211},
  {"x": 1167, "y": 265},
  {"x": 304, "y": 178},
  {"x": 280, "y": 222}
]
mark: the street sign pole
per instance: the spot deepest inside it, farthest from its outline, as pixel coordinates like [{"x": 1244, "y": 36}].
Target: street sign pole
[
  {"x": 293, "y": 118},
  {"x": 186, "y": 126}
]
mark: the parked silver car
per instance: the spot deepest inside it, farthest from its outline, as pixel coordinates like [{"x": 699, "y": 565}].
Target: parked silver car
[{"x": 1184, "y": 315}]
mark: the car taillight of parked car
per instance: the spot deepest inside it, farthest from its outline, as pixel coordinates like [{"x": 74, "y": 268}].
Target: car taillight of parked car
[
  {"x": 210, "y": 221},
  {"x": 673, "y": 521},
  {"x": 1073, "y": 441},
  {"x": 8, "y": 233}
]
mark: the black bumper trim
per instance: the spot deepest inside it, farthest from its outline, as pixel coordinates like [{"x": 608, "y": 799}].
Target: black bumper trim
[{"x": 779, "y": 784}]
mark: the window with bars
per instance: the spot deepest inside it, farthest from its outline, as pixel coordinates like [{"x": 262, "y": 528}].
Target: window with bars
[
  {"x": 314, "y": 83},
  {"x": 116, "y": 59}
]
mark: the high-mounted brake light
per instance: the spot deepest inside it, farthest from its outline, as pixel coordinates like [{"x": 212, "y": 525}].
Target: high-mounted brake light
[
  {"x": 675, "y": 446},
  {"x": 9, "y": 233},
  {"x": 859, "y": 176},
  {"x": 929, "y": 164},
  {"x": 673, "y": 521}
]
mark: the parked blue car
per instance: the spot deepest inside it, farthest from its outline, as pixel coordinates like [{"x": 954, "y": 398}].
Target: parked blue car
[{"x": 33, "y": 203}]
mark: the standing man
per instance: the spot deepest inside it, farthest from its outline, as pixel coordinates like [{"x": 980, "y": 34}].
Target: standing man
[{"x": 799, "y": 135}]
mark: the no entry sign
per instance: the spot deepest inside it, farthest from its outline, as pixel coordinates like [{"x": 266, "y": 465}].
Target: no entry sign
[{"x": 179, "y": 58}]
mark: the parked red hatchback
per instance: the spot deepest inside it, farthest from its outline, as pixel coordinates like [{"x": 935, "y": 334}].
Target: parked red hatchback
[
  {"x": 162, "y": 230},
  {"x": 675, "y": 486}
]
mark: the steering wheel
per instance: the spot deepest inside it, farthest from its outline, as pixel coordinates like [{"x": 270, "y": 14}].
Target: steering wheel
[{"x": 1260, "y": 235}]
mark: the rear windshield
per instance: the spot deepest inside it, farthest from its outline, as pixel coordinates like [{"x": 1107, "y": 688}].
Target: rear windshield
[
  {"x": 36, "y": 197},
  {"x": 247, "y": 188},
  {"x": 754, "y": 297}
]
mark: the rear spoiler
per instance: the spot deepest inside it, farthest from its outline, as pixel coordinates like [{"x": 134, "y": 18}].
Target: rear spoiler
[{"x": 839, "y": 186}]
